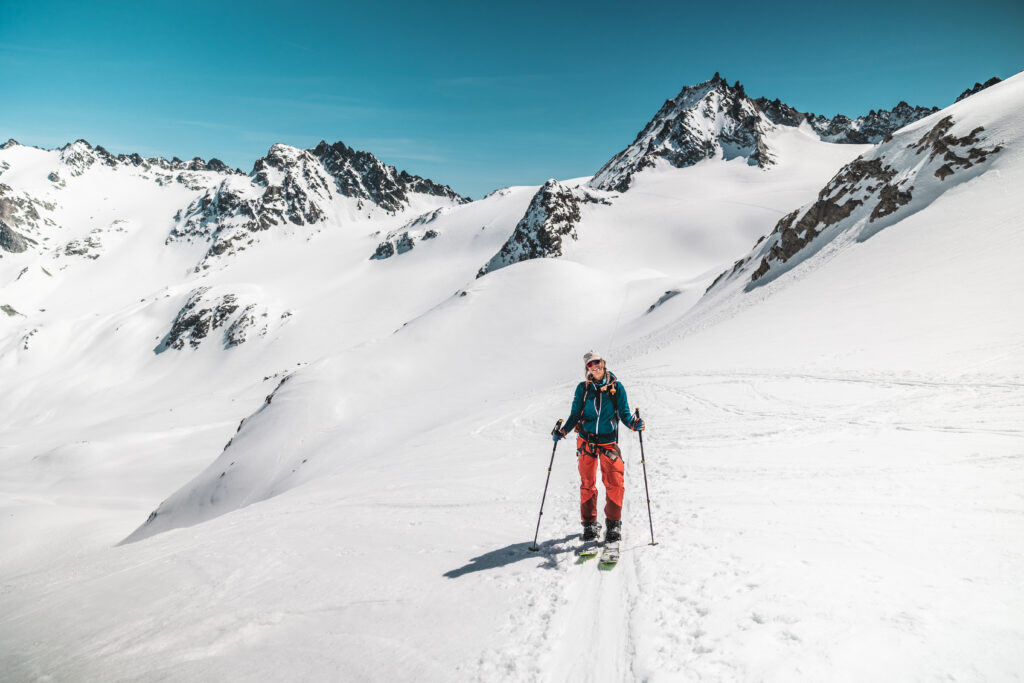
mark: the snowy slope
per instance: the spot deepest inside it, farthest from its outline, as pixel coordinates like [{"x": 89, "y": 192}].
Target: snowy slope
[{"x": 833, "y": 453}]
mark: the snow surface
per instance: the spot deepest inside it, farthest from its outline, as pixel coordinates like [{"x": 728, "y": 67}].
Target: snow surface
[{"x": 835, "y": 459}]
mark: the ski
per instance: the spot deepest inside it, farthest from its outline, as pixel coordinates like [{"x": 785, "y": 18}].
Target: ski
[
  {"x": 609, "y": 555},
  {"x": 588, "y": 550}
]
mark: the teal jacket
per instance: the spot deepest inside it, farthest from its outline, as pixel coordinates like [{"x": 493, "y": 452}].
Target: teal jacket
[{"x": 597, "y": 409}]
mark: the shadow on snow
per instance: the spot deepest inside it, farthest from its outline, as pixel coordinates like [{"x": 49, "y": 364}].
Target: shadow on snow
[{"x": 548, "y": 551}]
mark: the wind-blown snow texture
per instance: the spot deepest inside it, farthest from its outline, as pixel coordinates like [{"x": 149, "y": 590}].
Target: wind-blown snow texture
[{"x": 242, "y": 441}]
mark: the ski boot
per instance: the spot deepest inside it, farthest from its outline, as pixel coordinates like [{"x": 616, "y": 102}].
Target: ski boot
[
  {"x": 591, "y": 530},
  {"x": 614, "y": 532}
]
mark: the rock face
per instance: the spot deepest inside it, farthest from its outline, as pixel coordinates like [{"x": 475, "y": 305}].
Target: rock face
[
  {"x": 978, "y": 87},
  {"x": 79, "y": 156},
  {"x": 404, "y": 239},
  {"x": 20, "y": 219},
  {"x": 703, "y": 121},
  {"x": 206, "y": 312},
  {"x": 870, "y": 129},
  {"x": 866, "y": 191},
  {"x": 363, "y": 176},
  {"x": 291, "y": 186},
  {"x": 552, "y": 217},
  {"x": 715, "y": 119}
]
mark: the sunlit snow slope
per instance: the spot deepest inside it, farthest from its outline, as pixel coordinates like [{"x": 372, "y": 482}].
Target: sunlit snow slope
[{"x": 834, "y": 452}]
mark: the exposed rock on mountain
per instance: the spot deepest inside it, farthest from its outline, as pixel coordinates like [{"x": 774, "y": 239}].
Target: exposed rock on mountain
[
  {"x": 206, "y": 311},
  {"x": 20, "y": 219},
  {"x": 703, "y": 121},
  {"x": 553, "y": 214},
  {"x": 669, "y": 294},
  {"x": 978, "y": 87},
  {"x": 363, "y": 176},
  {"x": 289, "y": 185},
  {"x": 404, "y": 239},
  {"x": 89, "y": 247},
  {"x": 873, "y": 187},
  {"x": 297, "y": 187},
  {"x": 870, "y": 129},
  {"x": 715, "y": 119}
]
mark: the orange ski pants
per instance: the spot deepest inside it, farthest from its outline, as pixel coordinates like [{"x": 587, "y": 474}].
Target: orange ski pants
[{"x": 612, "y": 474}]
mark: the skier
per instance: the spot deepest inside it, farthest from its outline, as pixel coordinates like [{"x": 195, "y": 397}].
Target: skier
[{"x": 598, "y": 406}]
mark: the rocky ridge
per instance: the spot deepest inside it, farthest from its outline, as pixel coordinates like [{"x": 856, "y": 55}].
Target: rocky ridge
[
  {"x": 363, "y": 176},
  {"x": 978, "y": 87},
  {"x": 551, "y": 218},
  {"x": 206, "y": 311},
  {"x": 291, "y": 186},
  {"x": 869, "y": 129},
  {"x": 22, "y": 220},
  {"x": 703, "y": 121},
  {"x": 864, "y": 194},
  {"x": 404, "y": 238},
  {"x": 715, "y": 119}
]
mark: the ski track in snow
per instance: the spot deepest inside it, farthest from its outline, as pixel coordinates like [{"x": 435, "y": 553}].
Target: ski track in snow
[{"x": 695, "y": 606}]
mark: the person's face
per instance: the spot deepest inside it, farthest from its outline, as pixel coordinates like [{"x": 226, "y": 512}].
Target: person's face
[{"x": 596, "y": 369}]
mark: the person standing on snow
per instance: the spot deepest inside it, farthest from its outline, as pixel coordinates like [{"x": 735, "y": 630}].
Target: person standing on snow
[{"x": 598, "y": 406}]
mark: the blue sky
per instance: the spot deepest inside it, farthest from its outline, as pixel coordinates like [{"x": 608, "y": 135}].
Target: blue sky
[{"x": 477, "y": 95}]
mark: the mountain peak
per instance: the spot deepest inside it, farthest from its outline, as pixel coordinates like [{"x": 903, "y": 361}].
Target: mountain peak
[
  {"x": 978, "y": 87},
  {"x": 363, "y": 176},
  {"x": 704, "y": 121}
]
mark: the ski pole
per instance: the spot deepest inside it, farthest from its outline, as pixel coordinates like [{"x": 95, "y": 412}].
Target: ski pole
[
  {"x": 646, "y": 490},
  {"x": 534, "y": 547}
]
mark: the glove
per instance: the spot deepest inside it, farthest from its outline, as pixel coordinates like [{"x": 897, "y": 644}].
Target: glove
[
  {"x": 557, "y": 434},
  {"x": 638, "y": 425}
]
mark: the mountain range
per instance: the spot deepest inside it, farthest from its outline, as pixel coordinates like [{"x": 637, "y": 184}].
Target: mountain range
[{"x": 294, "y": 423}]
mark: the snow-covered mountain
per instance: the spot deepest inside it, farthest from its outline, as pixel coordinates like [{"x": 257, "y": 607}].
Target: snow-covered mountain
[
  {"x": 553, "y": 214},
  {"x": 897, "y": 178},
  {"x": 296, "y": 423},
  {"x": 287, "y": 186},
  {"x": 717, "y": 120}
]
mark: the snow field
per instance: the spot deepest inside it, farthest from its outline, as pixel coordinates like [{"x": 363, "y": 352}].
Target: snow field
[{"x": 835, "y": 459}]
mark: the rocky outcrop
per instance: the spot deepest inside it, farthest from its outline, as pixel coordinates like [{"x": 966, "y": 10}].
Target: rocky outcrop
[
  {"x": 206, "y": 312},
  {"x": 291, "y": 186},
  {"x": 288, "y": 186},
  {"x": 704, "y": 121},
  {"x": 362, "y": 176},
  {"x": 978, "y": 87},
  {"x": 870, "y": 129},
  {"x": 11, "y": 240},
  {"x": 669, "y": 294},
  {"x": 870, "y": 188},
  {"x": 551, "y": 218},
  {"x": 404, "y": 238},
  {"x": 715, "y": 119},
  {"x": 20, "y": 219},
  {"x": 957, "y": 153},
  {"x": 88, "y": 247}
]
